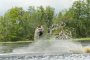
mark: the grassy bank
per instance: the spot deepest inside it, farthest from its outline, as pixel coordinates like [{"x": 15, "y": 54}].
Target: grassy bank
[
  {"x": 83, "y": 39},
  {"x": 78, "y": 39},
  {"x": 18, "y": 42}
]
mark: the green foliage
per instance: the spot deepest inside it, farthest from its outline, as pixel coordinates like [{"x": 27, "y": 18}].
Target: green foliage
[
  {"x": 77, "y": 18},
  {"x": 18, "y": 24},
  {"x": 49, "y": 14}
]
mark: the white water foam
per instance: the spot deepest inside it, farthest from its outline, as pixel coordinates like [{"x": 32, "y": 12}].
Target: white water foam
[{"x": 50, "y": 46}]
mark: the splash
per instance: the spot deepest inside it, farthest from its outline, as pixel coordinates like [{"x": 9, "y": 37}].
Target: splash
[
  {"x": 51, "y": 46},
  {"x": 63, "y": 44}
]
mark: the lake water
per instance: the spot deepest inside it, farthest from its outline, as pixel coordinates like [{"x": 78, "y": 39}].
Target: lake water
[
  {"x": 6, "y": 53},
  {"x": 9, "y": 47}
]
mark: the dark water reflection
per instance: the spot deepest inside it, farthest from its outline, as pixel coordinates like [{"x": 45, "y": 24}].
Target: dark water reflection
[
  {"x": 85, "y": 43},
  {"x": 9, "y": 47}
]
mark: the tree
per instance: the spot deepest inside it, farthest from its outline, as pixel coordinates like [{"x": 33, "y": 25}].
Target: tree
[
  {"x": 77, "y": 18},
  {"x": 49, "y": 14}
]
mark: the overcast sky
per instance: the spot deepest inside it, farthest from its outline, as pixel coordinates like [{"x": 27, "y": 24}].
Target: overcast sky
[{"x": 57, "y": 4}]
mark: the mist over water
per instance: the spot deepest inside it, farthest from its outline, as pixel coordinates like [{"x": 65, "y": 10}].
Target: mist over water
[{"x": 51, "y": 46}]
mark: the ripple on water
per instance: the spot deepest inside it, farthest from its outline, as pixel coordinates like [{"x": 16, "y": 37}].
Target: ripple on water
[{"x": 47, "y": 57}]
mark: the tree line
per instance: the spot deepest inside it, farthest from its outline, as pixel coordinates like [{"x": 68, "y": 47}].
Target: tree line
[{"x": 18, "y": 24}]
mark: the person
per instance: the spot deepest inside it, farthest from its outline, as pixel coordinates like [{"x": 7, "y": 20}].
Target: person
[{"x": 39, "y": 31}]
